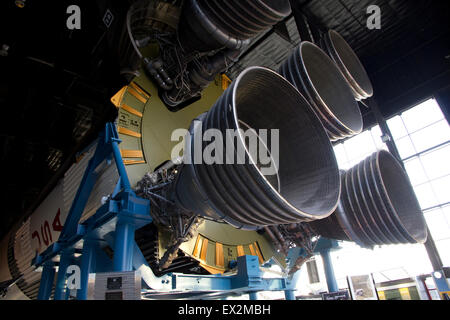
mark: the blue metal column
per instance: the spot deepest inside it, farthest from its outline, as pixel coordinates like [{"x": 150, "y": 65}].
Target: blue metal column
[
  {"x": 88, "y": 263},
  {"x": 329, "y": 272},
  {"x": 45, "y": 287},
  {"x": 123, "y": 246},
  {"x": 253, "y": 296},
  {"x": 289, "y": 295},
  {"x": 124, "y": 181},
  {"x": 441, "y": 284},
  {"x": 64, "y": 263},
  {"x": 124, "y": 238}
]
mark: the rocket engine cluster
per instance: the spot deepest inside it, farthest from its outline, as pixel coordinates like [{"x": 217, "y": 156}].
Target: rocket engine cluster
[{"x": 207, "y": 214}]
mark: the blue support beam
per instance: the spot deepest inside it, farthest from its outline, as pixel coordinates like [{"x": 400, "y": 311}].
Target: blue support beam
[
  {"x": 324, "y": 247},
  {"x": 253, "y": 296},
  {"x": 124, "y": 246},
  {"x": 442, "y": 285},
  {"x": 124, "y": 181},
  {"x": 47, "y": 278},
  {"x": 329, "y": 272},
  {"x": 88, "y": 264},
  {"x": 249, "y": 274},
  {"x": 65, "y": 261},
  {"x": 289, "y": 295}
]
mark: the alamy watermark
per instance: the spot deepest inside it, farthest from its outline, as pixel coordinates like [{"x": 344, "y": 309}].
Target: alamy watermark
[
  {"x": 260, "y": 147},
  {"x": 73, "y": 277},
  {"x": 73, "y": 22},
  {"x": 374, "y": 19}
]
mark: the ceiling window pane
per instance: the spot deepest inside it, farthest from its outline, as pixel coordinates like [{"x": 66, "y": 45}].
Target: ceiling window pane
[
  {"x": 437, "y": 163},
  {"x": 341, "y": 156},
  {"x": 444, "y": 252},
  {"x": 415, "y": 171},
  {"x": 353, "y": 162},
  {"x": 397, "y": 128},
  {"x": 431, "y": 136},
  {"x": 346, "y": 166},
  {"x": 441, "y": 188},
  {"x": 360, "y": 146},
  {"x": 422, "y": 115},
  {"x": 356, "y": 149},
  {"x": 405, "y": 147},
  {"x": 437, "y": 224},
  {"x": 426, "y": 196},
  {"x": 446, "y": 213}
]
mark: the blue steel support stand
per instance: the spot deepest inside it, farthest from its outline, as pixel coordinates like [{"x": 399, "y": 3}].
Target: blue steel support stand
[
  {"x": 123, "y": 246},
  {"x": 442, "y": 285},
  {"x": 120, "y": 216},
  {"x": 329, "y": 272},
  {"x": 88, "y": 262},
  {"x": 253, "y": 296},
  {"x": 248, "y": 280},
  {"x": 326, "y": 247},
  {"x": 64, "y": 263},
  {"x": 289, "y": 295},
  {"x": 48, "y": 275}
]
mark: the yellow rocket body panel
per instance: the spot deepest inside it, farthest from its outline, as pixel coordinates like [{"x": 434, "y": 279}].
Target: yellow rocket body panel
[
  {"x": 146, "y": 125},
  {"x": 224, "y": 244}
]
